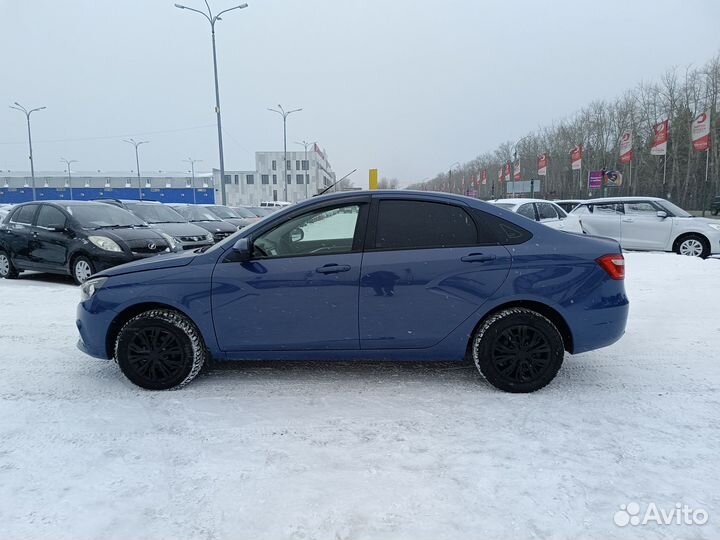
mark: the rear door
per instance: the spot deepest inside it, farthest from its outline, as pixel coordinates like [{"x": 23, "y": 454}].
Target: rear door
[
  {"x": 601, "y": 219},
  {"x": 18, "y": 234},
  {"x": 49, "y": 246},
  {"x": 643, "y": 229},
  {"x": 427, "y": 267}
]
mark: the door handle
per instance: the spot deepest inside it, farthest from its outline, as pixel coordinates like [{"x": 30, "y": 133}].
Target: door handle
[
  {"x": 332, "y": 268},
  {"x": 627, "y": 220},
  {"x": 478, "y": 257}
]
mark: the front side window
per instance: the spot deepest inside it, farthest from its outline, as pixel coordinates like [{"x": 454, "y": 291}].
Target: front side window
[
  {"x": 50, "y": 218},
  {"x": 642, "y": 208},
  {"x": 527, "y": 210},
  {"x": 546, "y": 211},
  {"x": 420, "y": 224},
  {"x": 322, "y": 232}
]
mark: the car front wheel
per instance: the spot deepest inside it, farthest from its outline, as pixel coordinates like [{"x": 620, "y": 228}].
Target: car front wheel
[
  {"x": 82, "y": 269},
  {"x": 693, "y": 245},
  {"x": 518, "y": 350},
  {"x": 160, "y": 349}
]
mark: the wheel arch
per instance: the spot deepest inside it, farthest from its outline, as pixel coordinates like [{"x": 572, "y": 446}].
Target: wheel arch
[
  {"x": 131, "y": 311},
  {"x": 545, "y": 310},
  {"x": 683, "y": 236}
]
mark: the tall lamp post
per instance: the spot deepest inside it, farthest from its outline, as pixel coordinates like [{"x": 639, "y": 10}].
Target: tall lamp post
[
  {"x": 282, "y": 112},
  {"x": 456, "y": 164},
  {"x": 69, "y": 162},
  {"x": 307, "y": 174},
  {"x": 192, "y": 163},
  {"x": 137, "y": 160},
  {"x": 27, "y": 114},
  {"x": 212, "y": 19}
]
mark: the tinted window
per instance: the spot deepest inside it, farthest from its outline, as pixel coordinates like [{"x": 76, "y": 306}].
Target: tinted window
[
  {"x": 322, "y": 232},
  {"x": 24, "y": 214},
  {"x": 527, "y": 210},
  {"x": 50, "y": 217},
  {"x": 418, "y": 224},
  {"x": 546, "y": 211},
  {"x": 495, "y": 230}
]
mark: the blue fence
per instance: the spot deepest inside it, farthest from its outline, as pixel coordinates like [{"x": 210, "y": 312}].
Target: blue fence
[{"x": 167, "y": 195}]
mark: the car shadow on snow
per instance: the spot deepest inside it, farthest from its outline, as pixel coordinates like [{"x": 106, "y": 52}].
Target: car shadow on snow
[{"x": 39, "y": 277}]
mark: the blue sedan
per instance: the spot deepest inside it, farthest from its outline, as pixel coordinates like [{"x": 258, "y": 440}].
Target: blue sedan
[{"x": 383, "y": 275}]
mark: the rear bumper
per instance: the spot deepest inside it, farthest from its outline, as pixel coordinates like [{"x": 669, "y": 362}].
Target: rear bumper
[{"x": 600, "y": 326}]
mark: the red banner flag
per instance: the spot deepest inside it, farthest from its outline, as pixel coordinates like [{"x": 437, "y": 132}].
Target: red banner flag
[
  {"x": 626, "y": 147},
  {"x": 508, "y": 171},
  {"x": 542, "y": 164},
  {"x": 516, "y": 171},
  {"x": 500, "y": 174},
  {"x": 576, "y": 157},
  {"x": 484, "y": 176},
  {"x": 701, "y": 132},
  {"x": 660, "y": 138}
]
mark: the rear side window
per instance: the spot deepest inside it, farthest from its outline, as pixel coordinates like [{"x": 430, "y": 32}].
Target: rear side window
[
  {"x": 24, "y": 214},
  {"x": 420, "y": 224},
  {"x": 546, "y": 211},
  {"x": 495, "y": 230}
]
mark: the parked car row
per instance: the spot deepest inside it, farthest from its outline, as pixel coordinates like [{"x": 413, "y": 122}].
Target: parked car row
[
  {"x": 637, "y": 223},
  {"x": 81, "y": 238}
]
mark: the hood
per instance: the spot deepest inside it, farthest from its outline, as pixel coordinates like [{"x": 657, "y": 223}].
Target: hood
[
  {"x": 158, "y": 262},
  {"x": 179, "y": 229},
  {"x": 139, "y": 233},
  {"x": 216, "y": 226}
]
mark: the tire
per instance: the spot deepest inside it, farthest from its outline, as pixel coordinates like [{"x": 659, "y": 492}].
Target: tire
[
  {"x": 693, "y": 245},
  {"x": 81, "y": 269},
  {"x": 510, "y": 365},
  {"x": 7, "y": 269},
  {"x": 160, "y": 349}
]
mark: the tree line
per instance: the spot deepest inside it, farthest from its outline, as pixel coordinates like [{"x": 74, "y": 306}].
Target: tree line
[{"x": 680, "y": 95}]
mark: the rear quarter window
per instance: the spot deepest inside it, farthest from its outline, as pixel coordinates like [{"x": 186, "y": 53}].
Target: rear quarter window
[{"x": 495, "y": 230}]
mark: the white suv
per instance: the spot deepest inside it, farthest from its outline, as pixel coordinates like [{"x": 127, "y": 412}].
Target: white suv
[{"x": 649, "y": 224}]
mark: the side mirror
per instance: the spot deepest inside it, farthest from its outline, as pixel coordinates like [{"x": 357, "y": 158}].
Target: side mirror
[
  {"x": 243, "y": 249},
  {"x": 296, "y": 235},
  {"x": 661, "y": 214}
]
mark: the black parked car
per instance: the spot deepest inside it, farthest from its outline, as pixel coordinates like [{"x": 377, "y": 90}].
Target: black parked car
[
  {"x": 166, "y": 220},
  {"x": 715, "y": 206},
  {"x": 202, "y": 217},
  {"x": 230, "y": 215},
  {"x": 74, "y": 237}
]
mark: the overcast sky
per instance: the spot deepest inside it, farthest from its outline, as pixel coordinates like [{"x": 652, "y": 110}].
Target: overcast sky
[{"x": 407, "y": 86}]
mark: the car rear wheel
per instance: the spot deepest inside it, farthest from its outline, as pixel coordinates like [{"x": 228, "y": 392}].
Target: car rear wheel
[
  {"x": 693, "y": 245},
  {"x": 7, "y": 269},
  {"x": 518, "y": 350},
  {"x": 160, "y": 349},
  {"x": 82, "y": 269}
]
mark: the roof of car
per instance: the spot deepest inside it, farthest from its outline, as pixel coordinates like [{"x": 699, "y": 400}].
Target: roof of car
[
  {"x": 602, "y": 200},
  {"x": 516, "y": 201}
]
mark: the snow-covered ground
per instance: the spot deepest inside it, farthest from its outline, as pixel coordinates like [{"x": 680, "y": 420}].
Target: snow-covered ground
[{"x": 365, "y": 450}]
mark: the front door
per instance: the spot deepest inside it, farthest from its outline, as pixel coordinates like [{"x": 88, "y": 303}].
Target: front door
[
  {"x": 643, "y": 229},
  {"x": 18, "y": 235},
  {"x": 426, "y": 269},
  {"x": 603, "y": 220},
  {"x": 300, "y": 289},
  {"x": 50, "y": 240}
]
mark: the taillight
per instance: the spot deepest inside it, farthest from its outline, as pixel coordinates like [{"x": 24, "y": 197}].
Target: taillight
[{"x": 613, "y": 264}]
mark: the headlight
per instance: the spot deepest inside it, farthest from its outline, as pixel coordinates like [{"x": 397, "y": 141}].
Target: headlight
[
  {"x": 170, "y": 240},
  {"x": 209, "y": 237},
  {"x": 90, "y": 287},
  {"x": 714, "y": 226},
  {"x": 103, "y": 242}
]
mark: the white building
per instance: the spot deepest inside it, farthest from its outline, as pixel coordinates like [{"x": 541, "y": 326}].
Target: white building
[{"x": 303, "y": 178}]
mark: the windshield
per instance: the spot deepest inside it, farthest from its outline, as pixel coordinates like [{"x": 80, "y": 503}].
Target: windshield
[
  {"x": 674, "y": 209},
  {"x": 243, "y": 212},
  {"x": 102, "y": 215},
  {"x": 259, "y": 211},
  {"x": 196, "y": 213},
  {"x": 223, "y": 212},
  {"x": 156, "y": 213}
]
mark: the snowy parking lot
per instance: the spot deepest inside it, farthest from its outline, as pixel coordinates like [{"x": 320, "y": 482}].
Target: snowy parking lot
[{"x": 343, "y": 450}]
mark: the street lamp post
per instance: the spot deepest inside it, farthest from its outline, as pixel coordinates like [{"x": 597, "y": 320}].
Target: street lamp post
[
  {"x": 192, "y": 163},
  {"x": 69, "y": 162},
  {"x": 212, "y": 19},
  {"x": 27, "y": 114},
  {"x": 307, "y": 174},
  {"x": 456, "y": 164},
  {"x": 137, "y": 160},
  {"x": 282, "y": 112}
]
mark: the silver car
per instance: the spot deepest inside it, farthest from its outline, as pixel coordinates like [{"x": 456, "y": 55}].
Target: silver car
[
  {"x": 546, "y": 212},
  {"x": 649, "y": 224}
]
